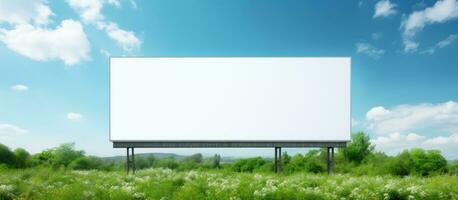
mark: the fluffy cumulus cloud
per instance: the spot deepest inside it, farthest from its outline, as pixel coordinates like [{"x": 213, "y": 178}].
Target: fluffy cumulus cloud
[
  {"x": 74, "y": 116},
  {"x": 19, "y": 88},
  {"x": 429, "y": 126},
  {"x": 90, "y": 12},
  {"x": 404, "y": 118},
  {"x": 384, "y": 8},
  {"x": 24, "y": 12},
  {"x": 369, "y": 50},
  {"x": 441, "y": 12},
  {"x": 396, "y": 142},
  {"x": 9, "y": 130},
  {"x": 67, "y": 42},
  {"x": 30, "y": 35}
]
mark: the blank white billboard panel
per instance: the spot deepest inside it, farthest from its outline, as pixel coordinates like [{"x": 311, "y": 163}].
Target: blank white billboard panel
[{"x": 230, "y": 99}]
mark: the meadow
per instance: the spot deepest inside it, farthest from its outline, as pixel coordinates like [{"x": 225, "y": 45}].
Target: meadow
[
  {"x": 160, "y": 183},
  {"x": 360, "y": 173}
]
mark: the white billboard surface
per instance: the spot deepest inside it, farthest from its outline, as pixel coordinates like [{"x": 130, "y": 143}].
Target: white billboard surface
[{"x": 230, "y": 99}]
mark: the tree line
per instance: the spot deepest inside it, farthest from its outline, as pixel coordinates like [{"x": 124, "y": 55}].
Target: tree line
[{"x": 358, "y": 158}]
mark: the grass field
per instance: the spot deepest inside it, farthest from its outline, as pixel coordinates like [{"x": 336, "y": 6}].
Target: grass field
[{"x": 46, "y": 183}]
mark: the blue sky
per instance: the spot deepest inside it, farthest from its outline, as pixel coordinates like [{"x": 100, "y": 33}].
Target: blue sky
[{"x": 54, "y": 61}]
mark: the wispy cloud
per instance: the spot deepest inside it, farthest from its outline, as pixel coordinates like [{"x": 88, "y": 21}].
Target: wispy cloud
[
  {"x": 9, "y": 130},
  {"x": 440, "y": 12},
  {"x": 90, "y": 12},
  {"x": 441, "y": 44},
  {"x": 368, "y": 49},
  {"x": 384, "y": 8},
  {"x": 19, "y": 88},
  {"x": 73, "y": 116},
  {"x": 126, "y": 39}
]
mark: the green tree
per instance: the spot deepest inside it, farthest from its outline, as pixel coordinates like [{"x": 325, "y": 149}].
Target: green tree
[
  {"x": 216, "y": 161},
  {"x": 428, "y": 162},
  {"x": 401, "y": 165},
  {"x": 23, "y": 158},
  {"x": 168, "y": 162},
  {"x": 359, "y": 147},
  {"x": 248, "y": 164},
  {"x": 6, "y": 156},
  {"x": 313, "y": 163},
  {"x": 65, "y": 154},
  {"x": 195, "y": 158}
]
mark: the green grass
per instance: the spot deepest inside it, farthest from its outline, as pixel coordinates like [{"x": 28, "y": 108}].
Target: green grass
[{"x": 45, "y": 183}]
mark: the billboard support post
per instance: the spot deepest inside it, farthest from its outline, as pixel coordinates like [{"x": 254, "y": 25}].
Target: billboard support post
[
  {"x": 277, "y": 161},
  {"x": 130, "y": 164},
  {"x": 330, "y": 160}
]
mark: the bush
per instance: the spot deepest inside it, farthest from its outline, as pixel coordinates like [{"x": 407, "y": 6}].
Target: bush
[
  {"x": 169, "y": 163},
  {"x": 22, "y": 158},
  {"x": 453, "y": 168},
  {"x": 6, "y": 156},
  {"x": 248, "y": 164}
]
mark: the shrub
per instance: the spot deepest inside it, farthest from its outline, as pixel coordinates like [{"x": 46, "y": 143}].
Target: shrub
[
  {"x": 22, "y": 158},
  {"x": 6, "y": 156},
  {"x": 248, "y": 164}
]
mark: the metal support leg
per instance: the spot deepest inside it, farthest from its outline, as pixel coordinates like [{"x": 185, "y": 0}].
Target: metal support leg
[
  {"x": 277, "y": 163},
  {"x": 128, "y": 161},
  {"x": 275, "y": 160},
  {"x": 330, "y": 160},
  {"x": 133, "y": 161},
  {"x": 130, "y": 164},
  {"x": 279, "y": 159}
]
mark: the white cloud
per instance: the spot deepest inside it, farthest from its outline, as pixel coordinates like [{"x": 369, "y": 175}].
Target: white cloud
[
  {"x": 90, "y": 12},
  {"x": 396, "y": 142},
  {"x": 368, "y": 49},
  {"x": 25, "y": 12},
  {"x": 409, "y": 118},
  {"x": 67, "y": 42},
  {"x": 376, "y": 113},
  {"x": 126, "y": 39},
  {"x": 9, "y": 130},
  {"x": 74, "y": 116},
  {"x": 440, "y": 12},
  {"x": 441, "y": 44},
  {"x": 19, "y": 88},
  {"x": 397, "y": 128},
  {"x": 447, "y": 41},
  {"x": 30, "y": 35},
  {"x": 384, "y": 8}
]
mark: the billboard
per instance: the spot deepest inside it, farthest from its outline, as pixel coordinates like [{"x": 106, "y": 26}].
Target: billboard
[{"x": 155, "y": 99}]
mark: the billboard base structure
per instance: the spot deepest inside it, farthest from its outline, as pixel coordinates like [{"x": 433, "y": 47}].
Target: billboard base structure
[{"x": 277, "y": 145}]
